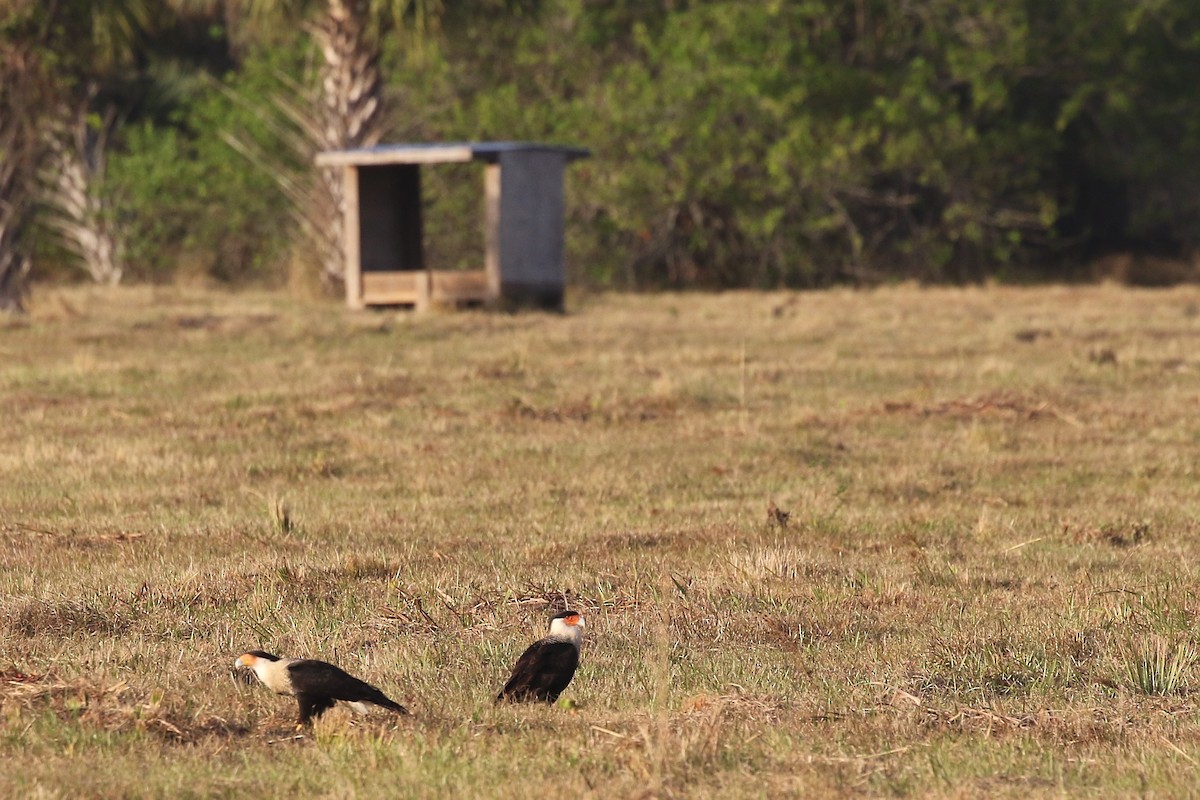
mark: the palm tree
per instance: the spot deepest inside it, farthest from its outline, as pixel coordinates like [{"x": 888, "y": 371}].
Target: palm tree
[
  {"x": 92, "y": 41},
  {"x": 53, "y": 55},
  {"x": 345, "y": 110}
]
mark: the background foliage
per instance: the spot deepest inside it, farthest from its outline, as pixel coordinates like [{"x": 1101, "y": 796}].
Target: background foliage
[{"x": 736, "y": 144}]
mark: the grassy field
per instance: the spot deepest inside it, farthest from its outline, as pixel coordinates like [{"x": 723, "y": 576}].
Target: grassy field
[{"x": 985, "y": 585}]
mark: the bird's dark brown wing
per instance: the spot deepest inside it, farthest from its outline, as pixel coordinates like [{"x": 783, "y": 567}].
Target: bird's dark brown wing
[
  {"x": 322, "y": 679},
  {"x": 542, "y": 672}
]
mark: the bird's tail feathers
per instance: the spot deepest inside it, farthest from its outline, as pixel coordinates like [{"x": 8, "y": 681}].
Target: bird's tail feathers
[{"x": 391, "y": 705}]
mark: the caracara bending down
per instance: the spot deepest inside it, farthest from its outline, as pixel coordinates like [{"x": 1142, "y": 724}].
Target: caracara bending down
[
  {"x": 316, "y": 685},
  {"x": 547, "y": 666}
]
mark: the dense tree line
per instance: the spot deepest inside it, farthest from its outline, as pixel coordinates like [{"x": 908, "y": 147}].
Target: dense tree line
[{"x": 784, "y": 142}]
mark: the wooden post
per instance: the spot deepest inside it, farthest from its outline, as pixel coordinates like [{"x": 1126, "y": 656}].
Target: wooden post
[
  {"x": 491, "y": 230},
  {"x": 424, "y": 290},
  {"x": 351, "y": 242}
]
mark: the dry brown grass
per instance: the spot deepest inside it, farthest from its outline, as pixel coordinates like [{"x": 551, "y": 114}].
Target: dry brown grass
[{"x": 900, "y": 542}]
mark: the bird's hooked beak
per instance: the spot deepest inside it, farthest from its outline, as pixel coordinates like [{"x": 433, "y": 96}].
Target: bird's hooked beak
[{"x": 243, "y": 669}]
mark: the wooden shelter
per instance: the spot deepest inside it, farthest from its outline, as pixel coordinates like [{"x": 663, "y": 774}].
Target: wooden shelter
[{"x": 523, "y": 224}]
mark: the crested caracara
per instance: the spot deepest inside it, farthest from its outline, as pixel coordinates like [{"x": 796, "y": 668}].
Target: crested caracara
[
  {"x": 547, "y": 665},
  {"x": 316, "y": 685}
]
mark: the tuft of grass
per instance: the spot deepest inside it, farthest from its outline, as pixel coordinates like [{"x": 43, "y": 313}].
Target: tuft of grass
[
  {"x": 1158, "y": 666},
  {"x": 281, "y": 516}
]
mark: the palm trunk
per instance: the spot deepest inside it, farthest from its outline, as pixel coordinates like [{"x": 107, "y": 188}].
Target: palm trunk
[
  {"x": 14, "y": 265},
  {"x": 19, "y": 153},
  {"x": 16, "y": 158},
  {"x": 350, "y": 105}
]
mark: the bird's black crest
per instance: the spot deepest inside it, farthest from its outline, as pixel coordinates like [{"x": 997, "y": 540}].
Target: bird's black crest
[
  {"x": 263, "y": 654},
  {"x": 566, "y": 614}
]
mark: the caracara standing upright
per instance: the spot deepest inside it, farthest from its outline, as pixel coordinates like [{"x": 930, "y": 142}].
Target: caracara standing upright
[
  {"x": 316, "y": 685},
  {"x": 547, "y": 666}
]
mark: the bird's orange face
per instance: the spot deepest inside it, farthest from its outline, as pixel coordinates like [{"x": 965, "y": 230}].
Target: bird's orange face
[
  {"x": 245, "y": 660},
  {"x": 573, "y": 620}
]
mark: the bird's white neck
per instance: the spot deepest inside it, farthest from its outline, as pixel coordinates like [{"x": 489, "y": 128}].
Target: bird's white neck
[
  {"x": 273, "y": 674},
  {"x": 561, "y": 631}
]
